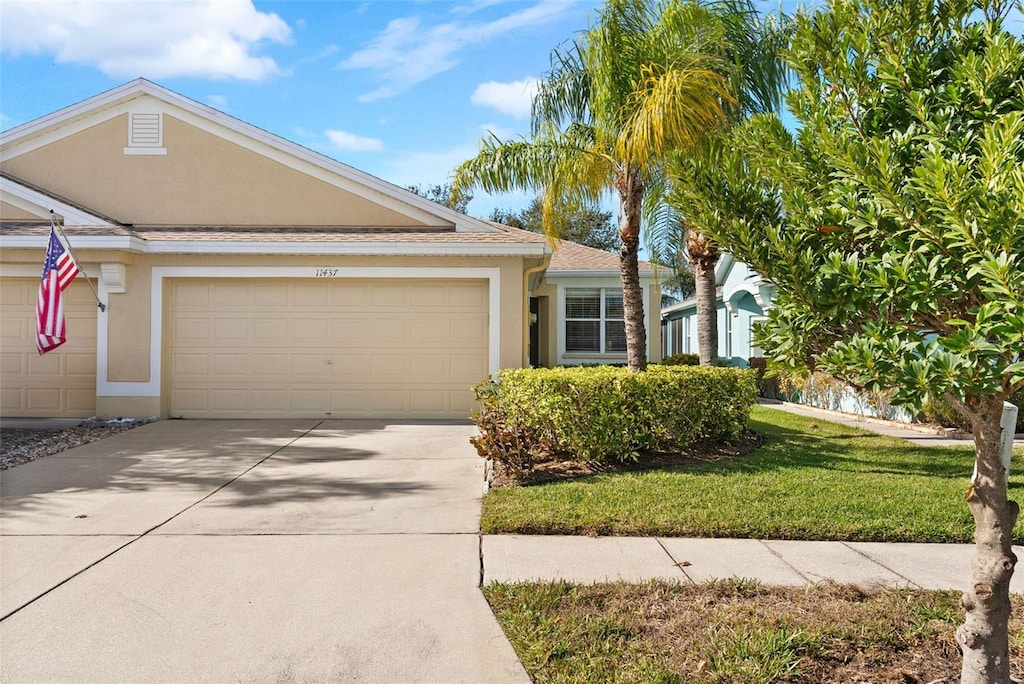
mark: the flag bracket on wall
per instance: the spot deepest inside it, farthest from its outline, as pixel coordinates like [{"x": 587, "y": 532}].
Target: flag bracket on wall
[
  {"x": 67, "y": 245},
  {"x": 59, "y": 270}
]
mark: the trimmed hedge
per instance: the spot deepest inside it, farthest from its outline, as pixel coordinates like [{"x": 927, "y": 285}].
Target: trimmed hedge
[{"x": 604, "y": 414}]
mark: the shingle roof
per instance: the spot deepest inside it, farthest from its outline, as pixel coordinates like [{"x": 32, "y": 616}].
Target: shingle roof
[
  {"x": 567, "y": 256},
  {"x": 572, "y": 256}
]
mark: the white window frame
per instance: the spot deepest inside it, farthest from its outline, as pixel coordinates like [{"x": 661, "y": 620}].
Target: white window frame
[
  {"x": 754, "y": 320},
  {"x": 601, "y": 319}
]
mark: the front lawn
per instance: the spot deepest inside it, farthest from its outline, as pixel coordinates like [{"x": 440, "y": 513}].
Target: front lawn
[{"x": 810, "y": 480}]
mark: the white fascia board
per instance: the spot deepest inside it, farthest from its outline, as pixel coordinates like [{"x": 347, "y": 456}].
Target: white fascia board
[
  {"x": 140, "y": 246},
  {"x": 344, "y": 248},
  {"x": 33, "y": 201},
  {"x": 116, "y": 242},
  {"x": 554, "y": 276},
  {"x": 685, "y": 304}
]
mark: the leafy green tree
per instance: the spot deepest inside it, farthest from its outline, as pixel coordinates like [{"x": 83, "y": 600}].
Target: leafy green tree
[
  {"x": 892, "y": 224},
  {"x": 637, "y": 84},
  {"x": 442, "y": 194},
  {"x": 584, "y": 225}
]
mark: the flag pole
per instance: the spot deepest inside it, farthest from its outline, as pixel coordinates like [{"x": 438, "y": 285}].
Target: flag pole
[{"x": 67, "y": 244}]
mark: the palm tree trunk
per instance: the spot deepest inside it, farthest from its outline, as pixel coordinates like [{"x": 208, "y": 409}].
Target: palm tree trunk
[
  {"x": 631, "y": 193},
  {"x": 984, "y": 636},
  {"x": 704, "y": 255}
]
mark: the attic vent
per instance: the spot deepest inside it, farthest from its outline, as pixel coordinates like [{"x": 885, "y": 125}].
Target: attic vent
[{"x": 145, "y": 133}]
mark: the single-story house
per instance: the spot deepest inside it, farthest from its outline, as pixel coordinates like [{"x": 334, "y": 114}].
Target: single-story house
[
  {"x": 742, "y": 299},
  {"x": 246, "y": 276}
]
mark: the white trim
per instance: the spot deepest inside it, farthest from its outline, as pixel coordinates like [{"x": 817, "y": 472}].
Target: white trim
[
  {"x": 34, "y": 271},
  {"x": 153, "y": 386},
  {"x": 143, "y": 151},
  {"x": 141, "y": 246},
  {"x": 35, "y": 202},
  {"x": 561, "y": 356}
]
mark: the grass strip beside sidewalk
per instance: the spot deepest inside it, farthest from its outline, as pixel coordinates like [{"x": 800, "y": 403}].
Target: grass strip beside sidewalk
[
  {"x": 812, "y": 479},
  {"x": 734, "y": 631}
]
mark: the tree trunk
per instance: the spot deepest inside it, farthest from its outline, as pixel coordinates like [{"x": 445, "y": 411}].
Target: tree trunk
[
  {"x": 704, "y": 255},
  {"x": 631, "y": 193},
  {"x": 984, "y": 636}
]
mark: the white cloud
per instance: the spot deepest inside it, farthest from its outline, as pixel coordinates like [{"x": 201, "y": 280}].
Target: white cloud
[
  {"x": 407, "y": 52},
  {"x": 513, "y": 98},
  {"x": 217, "y": 101},
  {"x": 351, "y": 142},
  {"x": 199, "y": 38}
]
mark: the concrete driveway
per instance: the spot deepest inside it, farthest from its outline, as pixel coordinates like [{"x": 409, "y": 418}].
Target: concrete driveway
[{"x": 220, "y": 551}]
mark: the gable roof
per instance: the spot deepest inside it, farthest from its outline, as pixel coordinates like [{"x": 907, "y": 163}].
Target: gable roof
[{"x": 76, "y": 117}]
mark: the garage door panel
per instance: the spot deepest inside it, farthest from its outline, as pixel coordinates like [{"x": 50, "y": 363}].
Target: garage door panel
[
  {"x": 230, "y": 364},
  {"x": 311, "y": 295},
  {"x": 314, "y": 365},
  {"x": 48, "y": 365},
  {"x": 269, "y": 401},
  {"x": 82, "y": 365},
  {"x": 468, "y": 333},
  {"x": 12, "y": 364},
  {"x": 190, "y": 329},
  {"x": 265, "y": 329},
  {"x": 358, "y": 348},
  {"x": 228, "y": 400},
  {"x": 309, "y": 329},
  {"x": 353, "y": 402},
  {"x": 44, "y": 401},
  {"x": 228, "y": 293},
  {"x": 353, "y": 295},
  {"x": 183, "y": 365},
  {"x": 350, "y": 329},
  {"x": 195, "y": 294}
]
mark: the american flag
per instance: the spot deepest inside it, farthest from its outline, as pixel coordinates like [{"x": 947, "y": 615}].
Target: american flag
[{"x": 58, "y": 272}]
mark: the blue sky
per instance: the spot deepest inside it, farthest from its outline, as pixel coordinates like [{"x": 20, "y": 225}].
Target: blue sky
[{"x": 402, "y": 89}]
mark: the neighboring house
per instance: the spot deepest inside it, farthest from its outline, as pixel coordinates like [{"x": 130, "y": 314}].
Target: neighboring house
[
  {"x": 247, "y": 276},
  {"x": 742, "y": 299}
]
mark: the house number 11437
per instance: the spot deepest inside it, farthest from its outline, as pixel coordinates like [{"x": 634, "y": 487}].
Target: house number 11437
[{"x": 326, "y": 272}]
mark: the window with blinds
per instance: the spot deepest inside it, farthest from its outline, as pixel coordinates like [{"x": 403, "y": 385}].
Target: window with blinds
[{"x": 594, "y": 321}]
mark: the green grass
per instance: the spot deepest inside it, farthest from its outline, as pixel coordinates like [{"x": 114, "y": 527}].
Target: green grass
[{"x": 811, "y": 480}]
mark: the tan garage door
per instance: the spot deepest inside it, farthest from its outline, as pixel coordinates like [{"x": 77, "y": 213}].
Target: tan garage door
[
  {"x": 325, "y": 348},
  {"x": 61, "y": 383}
]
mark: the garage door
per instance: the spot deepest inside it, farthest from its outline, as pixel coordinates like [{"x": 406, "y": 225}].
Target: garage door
[
  {"x": 272, "y": 348},
  {"x": 61, "y": 383}
]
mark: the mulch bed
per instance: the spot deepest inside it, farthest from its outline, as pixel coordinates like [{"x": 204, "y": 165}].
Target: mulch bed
[{"x": 558, "y": 467}]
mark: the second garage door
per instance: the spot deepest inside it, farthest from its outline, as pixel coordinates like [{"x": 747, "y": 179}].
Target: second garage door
[{"x": 269, "y": 348}]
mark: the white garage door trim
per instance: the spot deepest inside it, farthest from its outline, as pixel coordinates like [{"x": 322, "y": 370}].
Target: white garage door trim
[{"x": 152, "y": 388}]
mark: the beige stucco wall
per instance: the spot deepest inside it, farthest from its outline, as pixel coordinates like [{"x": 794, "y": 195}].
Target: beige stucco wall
[
  {"x": 202, "y": 180},
  {"x": 128, "y": 407},
  {"x": 9, "y": 212}
]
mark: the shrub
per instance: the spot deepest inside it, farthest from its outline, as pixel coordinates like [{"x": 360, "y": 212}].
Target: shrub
[
  {"x": 681, "y": 360},
  {"x": 605, "y": 414}
]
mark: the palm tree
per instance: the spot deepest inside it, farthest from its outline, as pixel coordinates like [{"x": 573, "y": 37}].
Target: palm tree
[
  {"x": 753, "y": 48},
  {"x": 638, "y": 84}
]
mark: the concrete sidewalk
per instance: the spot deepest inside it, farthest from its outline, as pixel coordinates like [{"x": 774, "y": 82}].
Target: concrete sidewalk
[
  {"x": 521, "y": 558},
  {"x": 921, "y": 435},
  {"x": 511, "y": 558}
]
